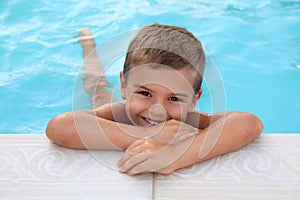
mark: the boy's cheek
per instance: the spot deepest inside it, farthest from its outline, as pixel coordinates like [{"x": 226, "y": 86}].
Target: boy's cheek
[
  {"x": 135, "y": 104},
  {"x": 179, "y": 112},
  {"x": 135, "y": 100}
]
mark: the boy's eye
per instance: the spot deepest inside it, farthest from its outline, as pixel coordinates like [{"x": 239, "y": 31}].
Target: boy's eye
[
  {"x": 174, "y": 99},
  {"x": 144, "y": 93}
]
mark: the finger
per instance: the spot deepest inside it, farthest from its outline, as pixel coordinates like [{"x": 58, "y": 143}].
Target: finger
[
  {"x": 141, "y": 167},
  {"x": 130, "y": 152},
  {"x": 131, "y": 162},
  {"x": 139, "y": 149},
  {"x": 131, "y": 174},
  {"x": 135, "y": 144},
  {"x": 126, "y": 156}
]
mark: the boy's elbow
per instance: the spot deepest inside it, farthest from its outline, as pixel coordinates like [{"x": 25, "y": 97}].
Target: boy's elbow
[
  {"x": 58, "y": 129},
  {"x": 253, "y": 125},
  {"x": 52, "y": 128},
  {"x": 246, "y": 125},
  {"x": 256, "y": 123}
]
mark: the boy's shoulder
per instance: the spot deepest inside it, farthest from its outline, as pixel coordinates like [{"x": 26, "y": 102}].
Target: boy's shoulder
[{"x": 113, "y": 112}]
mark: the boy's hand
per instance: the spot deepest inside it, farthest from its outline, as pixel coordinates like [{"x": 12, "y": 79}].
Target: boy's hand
[
  {"x": 171, "y": 132},
  {"x": 148, "y": 155}
]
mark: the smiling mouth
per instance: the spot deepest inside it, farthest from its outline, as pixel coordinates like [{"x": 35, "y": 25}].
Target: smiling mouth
[{"x": 151, "y": 122}]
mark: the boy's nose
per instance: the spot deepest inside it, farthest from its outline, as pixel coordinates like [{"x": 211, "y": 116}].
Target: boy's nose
[{"x": 158, "y": 112}]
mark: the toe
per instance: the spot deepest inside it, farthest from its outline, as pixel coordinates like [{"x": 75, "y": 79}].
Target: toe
[{"x": 85, "y": 32}]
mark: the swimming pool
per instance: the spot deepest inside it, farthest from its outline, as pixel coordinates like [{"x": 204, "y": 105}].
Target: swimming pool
[{"x": 255, "y": 46}]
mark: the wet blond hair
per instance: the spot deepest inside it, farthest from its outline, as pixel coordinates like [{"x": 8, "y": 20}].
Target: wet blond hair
[{"x": 170, "y": 46}]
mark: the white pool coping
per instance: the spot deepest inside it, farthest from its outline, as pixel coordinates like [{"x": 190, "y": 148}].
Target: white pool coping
[{"x": 31, "y": 167}]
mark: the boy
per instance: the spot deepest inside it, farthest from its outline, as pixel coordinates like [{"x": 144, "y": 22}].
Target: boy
[{"x": 156, "y": 125}]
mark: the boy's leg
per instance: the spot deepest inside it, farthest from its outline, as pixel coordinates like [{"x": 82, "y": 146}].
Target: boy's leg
[{"x": 94, "y": 79}]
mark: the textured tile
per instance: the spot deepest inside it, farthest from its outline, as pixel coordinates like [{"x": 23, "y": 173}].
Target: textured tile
[
  {"x": 31, "y": 167},
  {"x": 268, "y": 168}
]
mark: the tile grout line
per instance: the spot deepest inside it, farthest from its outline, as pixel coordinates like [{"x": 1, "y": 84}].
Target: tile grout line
[{"x": 153, "y": 186}]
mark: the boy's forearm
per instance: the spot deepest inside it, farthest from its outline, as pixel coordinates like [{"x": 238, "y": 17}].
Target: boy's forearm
[
  {"x": 202, "y": 120},
  {"x": 84, "y": 130},
  {"x": 228, "y": 133}
]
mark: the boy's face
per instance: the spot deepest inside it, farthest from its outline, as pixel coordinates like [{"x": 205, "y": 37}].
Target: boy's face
[{"x": 156, "y": 95}]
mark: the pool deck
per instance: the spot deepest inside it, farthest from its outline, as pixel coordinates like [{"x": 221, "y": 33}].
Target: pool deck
[{"x": 31, "y": 167}]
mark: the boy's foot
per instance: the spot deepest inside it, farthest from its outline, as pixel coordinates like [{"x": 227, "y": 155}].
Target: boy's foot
[
  {"x": 86, "y": 40},
  {"x": 94, "y": 79}
]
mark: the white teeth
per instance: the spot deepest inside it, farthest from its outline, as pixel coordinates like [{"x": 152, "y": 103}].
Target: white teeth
[{"x": 151, "y": 122}]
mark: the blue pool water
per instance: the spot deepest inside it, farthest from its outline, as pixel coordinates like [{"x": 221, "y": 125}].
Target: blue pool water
[{"x": 254, "y": 44}]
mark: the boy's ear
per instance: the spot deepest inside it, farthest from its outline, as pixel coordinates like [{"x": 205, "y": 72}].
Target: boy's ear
[
  {"x": 122, "y": 81},
  {"x": 196, "y": 98}
]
